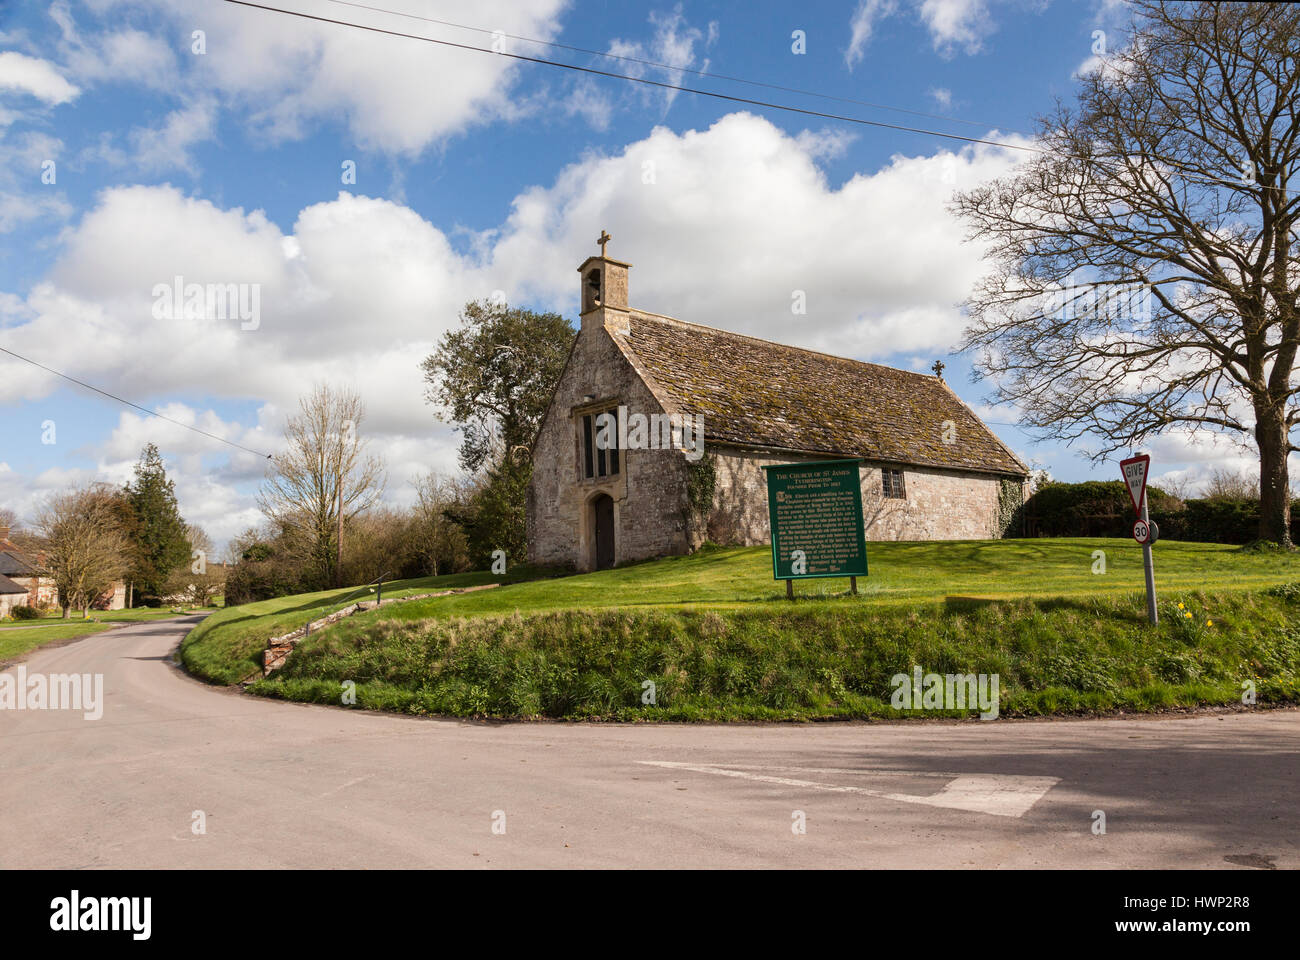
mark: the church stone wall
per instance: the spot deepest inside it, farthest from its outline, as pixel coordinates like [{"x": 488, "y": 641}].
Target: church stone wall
[
  {"x": 649, "y": 493},
  {"x": 940, "y": 504}
]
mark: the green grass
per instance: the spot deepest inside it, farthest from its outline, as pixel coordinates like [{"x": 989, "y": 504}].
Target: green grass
[
  {"x": 22, "y": 636},
  {"x": 1031, "y": 584},
  {"x": 227, "y": 646},
  {"x": 900, "y": 572},
  {"x": 15, "y": 642},
  {"x": 820, "y": 660}
]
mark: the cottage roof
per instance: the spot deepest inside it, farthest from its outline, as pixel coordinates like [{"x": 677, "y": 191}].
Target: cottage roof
[
  {"x": 13, "y": 564},
  {"x": 758, "y": 393},
  {"x": 8, "y": 586}
]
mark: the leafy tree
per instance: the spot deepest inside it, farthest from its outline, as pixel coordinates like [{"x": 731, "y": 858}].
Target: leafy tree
[
  {"x": 494, "y": 376},
  {"x": 1146, "y": 274},
  {"x": 159, "y": 544}
]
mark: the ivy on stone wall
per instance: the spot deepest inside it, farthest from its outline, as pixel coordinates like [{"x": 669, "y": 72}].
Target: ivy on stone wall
[
  {"x": 1011, "y": 503},
  {"x": 701, "y": 481}
]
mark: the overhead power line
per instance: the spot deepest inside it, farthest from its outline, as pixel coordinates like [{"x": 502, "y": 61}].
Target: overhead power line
[
  {"x": 152, "y": 413},
  {"x": 670, "y": 67},
  {"x": 748, "y": 101},
  {"x": 642, "y": 80}
]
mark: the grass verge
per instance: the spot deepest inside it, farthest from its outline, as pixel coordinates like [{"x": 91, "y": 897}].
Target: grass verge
[{"x": 821, "y": 659}]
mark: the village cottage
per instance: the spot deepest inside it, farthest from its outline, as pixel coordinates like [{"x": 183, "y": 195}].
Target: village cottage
[
  {"x": 25, "y": 570},
  {"x": 656, "y": 437}
]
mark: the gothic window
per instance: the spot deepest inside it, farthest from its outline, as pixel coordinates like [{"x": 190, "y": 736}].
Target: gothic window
[{"x": 600, "y": 453}]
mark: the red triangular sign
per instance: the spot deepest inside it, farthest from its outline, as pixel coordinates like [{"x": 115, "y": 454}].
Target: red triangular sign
[{"x": 1135, "y": 478}]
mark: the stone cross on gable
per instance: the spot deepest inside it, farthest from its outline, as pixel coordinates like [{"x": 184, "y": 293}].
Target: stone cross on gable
[
  {"x": 938, "y": 369},
  {"x": 603, "y": 239}
]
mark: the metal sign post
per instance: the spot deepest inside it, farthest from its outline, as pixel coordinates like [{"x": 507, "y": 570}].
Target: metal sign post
[{"x": 1135, "y": 472}]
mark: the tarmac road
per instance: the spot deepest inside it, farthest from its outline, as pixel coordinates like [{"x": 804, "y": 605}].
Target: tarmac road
[{"x": 288, "y": 785}]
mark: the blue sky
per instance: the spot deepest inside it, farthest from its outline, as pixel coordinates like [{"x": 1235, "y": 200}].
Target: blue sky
[{"x": 474, "y": 174}]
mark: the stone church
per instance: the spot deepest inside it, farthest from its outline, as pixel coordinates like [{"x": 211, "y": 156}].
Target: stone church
[{"x": 658, "y": 431}]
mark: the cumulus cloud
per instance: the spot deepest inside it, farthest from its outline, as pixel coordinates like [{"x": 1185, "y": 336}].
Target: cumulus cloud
[
  {"x": 723, "y": 226},
  {"x": 38, "y": 78},
  {"x": 957, "y": 23}
]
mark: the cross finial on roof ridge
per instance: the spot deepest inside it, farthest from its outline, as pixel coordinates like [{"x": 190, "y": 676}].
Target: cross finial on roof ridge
[{"x": 603, "y": 239}]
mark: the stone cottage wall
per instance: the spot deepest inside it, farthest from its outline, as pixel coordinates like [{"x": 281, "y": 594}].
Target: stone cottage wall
[{"x": 940, "y": 504}]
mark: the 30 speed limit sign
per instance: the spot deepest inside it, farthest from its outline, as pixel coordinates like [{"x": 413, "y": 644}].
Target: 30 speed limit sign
[{"x": 1145, "y": 532}]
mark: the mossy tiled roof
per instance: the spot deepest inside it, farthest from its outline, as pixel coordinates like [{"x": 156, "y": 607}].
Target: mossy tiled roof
[{"x": 758, "y": 393}]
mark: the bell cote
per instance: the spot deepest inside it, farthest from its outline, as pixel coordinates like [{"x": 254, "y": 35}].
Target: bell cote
[{"x": 604, "y": 285}]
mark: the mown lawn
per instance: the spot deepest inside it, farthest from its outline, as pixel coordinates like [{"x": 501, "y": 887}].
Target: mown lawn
[
  {"x": 923, "y": 590},
  {"x": 21, "y": 636},
  {"x": 16, "y": 640}
]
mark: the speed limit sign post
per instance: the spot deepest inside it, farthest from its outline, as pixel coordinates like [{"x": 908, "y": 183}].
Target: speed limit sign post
[{"x": 1135, "y": 471}]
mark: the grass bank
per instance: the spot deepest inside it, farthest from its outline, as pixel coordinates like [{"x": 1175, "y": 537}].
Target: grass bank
[
  {"x": 1064, "y": 631},
  {"x": 815, "y": 661},
  {"x": 227, "y": 646}
]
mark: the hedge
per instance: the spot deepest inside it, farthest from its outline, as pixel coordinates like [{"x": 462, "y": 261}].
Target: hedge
[{"x": 1103, "y": 509}]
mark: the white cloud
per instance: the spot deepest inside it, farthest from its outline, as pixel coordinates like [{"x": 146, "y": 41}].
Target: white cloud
[
  {"x": 360, "y": 289},
  {"x": 863, "y": 25},
  {"x": 942, "y": 96},
  {"x": 740, "y": 216},
  {"x": 952, "y": 24},
  {"x": 167, "y": 147},
  {"x": 17, "y": 209},
  {"x": 285, "y": 75},
  {"x": 957, "y": 23},
  {"x": 672, "y": 45},
  {"x": 35, "y": 77}
]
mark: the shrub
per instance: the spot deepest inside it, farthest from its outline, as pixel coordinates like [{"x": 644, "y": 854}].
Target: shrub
[
  {"x": 1094, "y": 508},
  {"x": 24, "y": 612},
  {"x": 1103, "y": 509}
]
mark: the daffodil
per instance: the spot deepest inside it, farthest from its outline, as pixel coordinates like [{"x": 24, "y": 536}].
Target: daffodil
[
  {"x": 1180, "y": 606},
  {"x": 1187, "y": 615},
  {"x": 1209, "y": 623}
]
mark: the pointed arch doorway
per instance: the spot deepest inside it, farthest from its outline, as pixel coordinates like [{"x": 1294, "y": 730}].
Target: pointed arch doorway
[{"x": 602, "y": 525}]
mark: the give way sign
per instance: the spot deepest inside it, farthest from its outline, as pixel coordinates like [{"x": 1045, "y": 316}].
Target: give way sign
[{"x": 1135, "y": 478}]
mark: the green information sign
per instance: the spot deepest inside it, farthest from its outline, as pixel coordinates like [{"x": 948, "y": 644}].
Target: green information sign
[{"x": 815, "y": 510}]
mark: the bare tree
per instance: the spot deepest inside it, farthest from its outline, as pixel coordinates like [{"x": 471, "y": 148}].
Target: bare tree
[
  {"x": 1231, "y": 485},
  {"x": 324, "y": 477},
  {"x": 438, "y": 540},
  {"x": 202, "y": 578},
  {"x": 1145, "y": 262},
  {"x": 85, "y": 550}
]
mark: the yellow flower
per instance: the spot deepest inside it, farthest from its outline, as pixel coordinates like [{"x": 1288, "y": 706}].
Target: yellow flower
[
  {"x": 1187, "y": 615},
  {"x": 1180, "y": 606},
  {"x": 1209, "y": 623}
]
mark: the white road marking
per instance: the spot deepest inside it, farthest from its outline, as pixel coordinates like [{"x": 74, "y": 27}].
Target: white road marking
[{"x": 999, "y": 794}]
